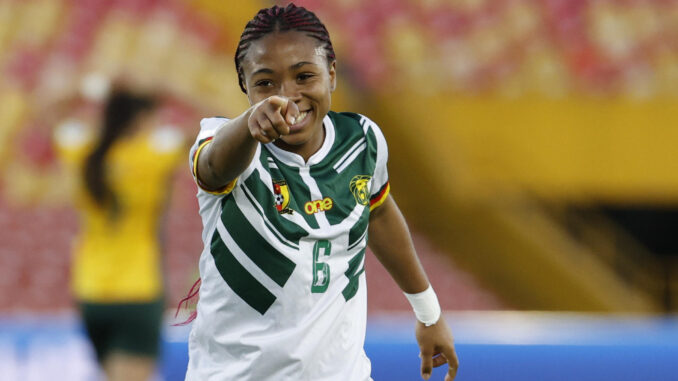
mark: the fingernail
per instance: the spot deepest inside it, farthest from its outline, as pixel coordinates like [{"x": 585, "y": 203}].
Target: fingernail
[{"x": 427, "y": 376}]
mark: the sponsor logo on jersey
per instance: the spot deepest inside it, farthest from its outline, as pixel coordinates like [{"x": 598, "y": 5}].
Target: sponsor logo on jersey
[
  {"x": 358, "y": 187},
  {"x": 316, "y": 206},
  {"x": 281, "y": 194}
]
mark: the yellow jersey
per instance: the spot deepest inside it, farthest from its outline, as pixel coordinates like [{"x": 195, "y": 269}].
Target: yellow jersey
[{"x": 118, "y": 260}]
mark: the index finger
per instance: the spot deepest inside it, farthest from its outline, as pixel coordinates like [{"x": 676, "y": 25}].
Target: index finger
[
  {"x": 279, "y": 102},
  {"x": 283, "y": 108}
]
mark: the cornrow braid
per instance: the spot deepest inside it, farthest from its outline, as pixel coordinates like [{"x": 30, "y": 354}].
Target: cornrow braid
[{"x": 279, "y": 19}]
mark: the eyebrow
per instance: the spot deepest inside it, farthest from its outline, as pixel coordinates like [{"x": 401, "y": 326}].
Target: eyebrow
[
  {"x": 293, "y": 67},
  {"x": 300, "y": 64},
  {"x": 264, "y": 70}
]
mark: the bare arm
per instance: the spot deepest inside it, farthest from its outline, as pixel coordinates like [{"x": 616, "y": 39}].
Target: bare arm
[
  {"x": 391, "y": 243},
  {"x": 233, "y": 146}
]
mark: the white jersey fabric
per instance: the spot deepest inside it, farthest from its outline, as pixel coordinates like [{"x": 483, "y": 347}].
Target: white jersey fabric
[{"x": 283, "y": 293}]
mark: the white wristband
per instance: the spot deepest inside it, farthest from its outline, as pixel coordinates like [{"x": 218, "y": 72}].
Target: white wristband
[{"x": 425, "y": 305}]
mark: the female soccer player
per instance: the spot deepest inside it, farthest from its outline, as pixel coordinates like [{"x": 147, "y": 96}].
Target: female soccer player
[
  {"x": 117, "y": 275},
  {"x": 289, "y": 192}
]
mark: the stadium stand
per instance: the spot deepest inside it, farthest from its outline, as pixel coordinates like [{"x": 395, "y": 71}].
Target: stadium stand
[
  {"x": 50, "y": 47},
  {"x": 537, "y": 101}
]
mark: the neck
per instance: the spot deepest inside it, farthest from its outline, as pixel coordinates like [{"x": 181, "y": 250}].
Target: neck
[{"x": 305, "y": 150}]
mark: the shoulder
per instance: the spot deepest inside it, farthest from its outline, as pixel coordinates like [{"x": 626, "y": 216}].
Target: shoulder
[
  {"x": 72, "y": 134},
  {"x": 347, "y": 119},
  {"x": 209, "y": 127},
  {"x": 166, "y": 139},
  {"x": 73, "y": 139},
  {"x": 349, "y": 123},
  {"x": 355, "y": 123},
  {"x": 353, "y": 120},
  {"x": 212, "y": 123}
]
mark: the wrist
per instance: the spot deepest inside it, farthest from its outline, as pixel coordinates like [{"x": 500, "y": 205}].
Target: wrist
[{"x": 425, "y": 305}]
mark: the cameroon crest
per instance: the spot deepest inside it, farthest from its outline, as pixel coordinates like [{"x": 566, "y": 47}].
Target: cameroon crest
[
  {"x": 360, "y": 190},
  {"x": 281, "y": 194}
]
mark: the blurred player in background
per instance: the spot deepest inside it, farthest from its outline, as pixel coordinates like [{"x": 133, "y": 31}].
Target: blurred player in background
[
  {"x": 123, "y": 181},
  {"x": 289, "y": 192}
]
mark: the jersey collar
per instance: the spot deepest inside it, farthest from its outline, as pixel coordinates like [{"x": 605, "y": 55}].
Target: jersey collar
[{"x": 295, "y": 160}]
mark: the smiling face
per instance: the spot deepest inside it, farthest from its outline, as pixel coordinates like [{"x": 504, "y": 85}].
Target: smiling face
[{"x": 293, "y": 65}]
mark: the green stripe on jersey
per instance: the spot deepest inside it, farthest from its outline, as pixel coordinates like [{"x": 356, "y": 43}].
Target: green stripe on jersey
[
  {"x": 263, "y": 195},
  {"x": 204, "y": 140},
  {"x": 278, "y": 175},
  {"x": 359, "y": 229},
  {"x": 371, "y": 149},
  {"x": 336, "y": 186},
  {"x": 272, "y": 262},
  {"x": 238, "y": 278},
  {"x": 269, "y": 226},
  {"x": 353, "y": 275},
  {"x": 299, "y": 191}
]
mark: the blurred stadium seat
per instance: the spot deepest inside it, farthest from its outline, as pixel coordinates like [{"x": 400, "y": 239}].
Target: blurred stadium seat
[
  {"x": 519, "y": 113},
  {"x": 137, "y": 39}
]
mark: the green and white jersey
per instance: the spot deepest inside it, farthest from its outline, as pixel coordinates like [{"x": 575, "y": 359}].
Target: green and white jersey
[{"x": 283, "y": 293}]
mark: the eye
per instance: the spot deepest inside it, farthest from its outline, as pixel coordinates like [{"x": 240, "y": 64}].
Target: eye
[
  {"x": 263, "y": 83},
  {"x": 304, "y": 76}
]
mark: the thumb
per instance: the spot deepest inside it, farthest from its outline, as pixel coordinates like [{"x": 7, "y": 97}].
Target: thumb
[{"x": 291, "y": 112}]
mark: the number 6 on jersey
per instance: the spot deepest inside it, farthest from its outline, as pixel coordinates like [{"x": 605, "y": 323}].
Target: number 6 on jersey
[{"x": 321, "y": 270}]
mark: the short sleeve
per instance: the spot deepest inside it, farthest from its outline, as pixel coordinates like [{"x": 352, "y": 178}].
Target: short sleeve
[
  {"x": 380, "y": 187},
  {"x": 208, "y": 128}
]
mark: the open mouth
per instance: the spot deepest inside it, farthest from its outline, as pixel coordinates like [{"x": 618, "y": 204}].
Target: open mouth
[{"x": 300, "y": 120}]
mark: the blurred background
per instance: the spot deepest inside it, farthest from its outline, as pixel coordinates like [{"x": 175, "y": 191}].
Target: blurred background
[{"x": 532, "y": 150}]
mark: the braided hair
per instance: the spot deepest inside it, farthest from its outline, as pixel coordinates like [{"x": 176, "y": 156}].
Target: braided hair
[{"x": 279, "y": 19}]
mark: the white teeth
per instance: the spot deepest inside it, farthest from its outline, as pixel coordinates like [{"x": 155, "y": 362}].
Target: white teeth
[{"x": 300, "y": 117}]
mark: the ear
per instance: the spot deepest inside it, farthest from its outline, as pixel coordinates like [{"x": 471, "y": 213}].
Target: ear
[{"x": 333, "y": 75}]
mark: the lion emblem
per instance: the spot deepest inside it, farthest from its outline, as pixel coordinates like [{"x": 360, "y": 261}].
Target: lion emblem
[{"x": 360, "y": 190}]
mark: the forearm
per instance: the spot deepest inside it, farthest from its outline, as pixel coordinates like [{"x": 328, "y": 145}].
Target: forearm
[
  {"x": 229, "y": 153},
  {"x": 391, "y": 243}
]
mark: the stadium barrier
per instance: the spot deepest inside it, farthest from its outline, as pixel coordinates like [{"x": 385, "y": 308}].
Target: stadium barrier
[{"x": 521, "y": 346}]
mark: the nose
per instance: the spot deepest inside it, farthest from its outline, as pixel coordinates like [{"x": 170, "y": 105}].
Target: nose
[{"x": 289, "y": 89}]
